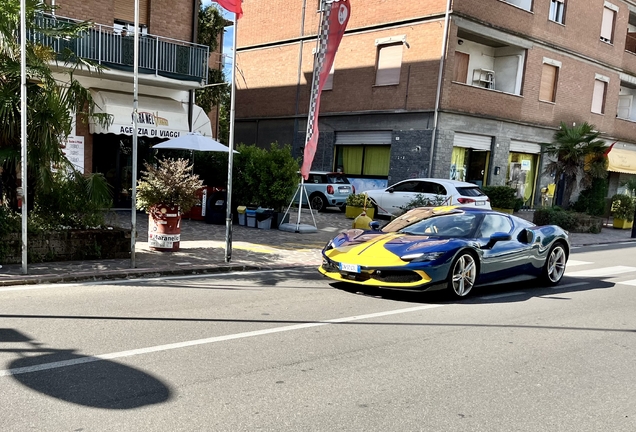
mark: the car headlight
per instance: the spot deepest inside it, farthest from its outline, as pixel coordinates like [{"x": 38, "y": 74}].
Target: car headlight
[{"x": 417, "y": 257}]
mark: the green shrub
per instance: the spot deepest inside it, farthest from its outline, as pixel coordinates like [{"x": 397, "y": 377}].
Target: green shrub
[
  {"x": 555, "y": 216},
  {"x": 623, "y": 207},
  {"x": 592, "y": 200},
  {"x": 502, "y": 197},
  {"x": 358, "y": 200},
  {"x": 422, "y": 200}
]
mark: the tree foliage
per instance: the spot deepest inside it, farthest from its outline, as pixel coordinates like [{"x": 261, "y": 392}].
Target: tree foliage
[{"x": 578, "y": 155}]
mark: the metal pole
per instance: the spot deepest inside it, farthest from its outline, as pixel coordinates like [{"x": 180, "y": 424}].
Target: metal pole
[
  {"x": 439, "y": 88},
  {"x": 230, "y": 158},
  {"x": 23, "y": 131},
  {"x": 634, "y": 224},
  {"x": 133, "y": 214}
]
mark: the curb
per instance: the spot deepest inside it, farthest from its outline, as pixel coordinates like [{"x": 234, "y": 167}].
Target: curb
[{"x": 137, "y": 274}]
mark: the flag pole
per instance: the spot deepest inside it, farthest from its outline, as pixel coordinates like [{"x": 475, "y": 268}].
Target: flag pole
[
  {"x": 133, "y": 215},
  {"x": 230, "y": 159},
  {"x": 23, "y": 133}
]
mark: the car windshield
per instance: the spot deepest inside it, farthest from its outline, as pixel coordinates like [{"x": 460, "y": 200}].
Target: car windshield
[
  {"x": 334, "y": 178},
  {"x": 470, "y": 191},
  {"x": 449, "y": 225}
]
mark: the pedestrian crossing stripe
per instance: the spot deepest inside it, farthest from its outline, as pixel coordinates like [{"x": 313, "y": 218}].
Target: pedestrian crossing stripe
[
  {"x": 573, "y": 263},
  {"x": 629, "y": 282},
  {"x": 602, "y": 272}
]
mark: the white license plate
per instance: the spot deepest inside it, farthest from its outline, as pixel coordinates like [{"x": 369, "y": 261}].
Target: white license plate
[
  {"x": 480, "y": 202},
  {"x": 353, "y": 268}
]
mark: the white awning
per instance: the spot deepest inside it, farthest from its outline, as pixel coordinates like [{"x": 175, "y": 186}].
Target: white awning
[
  {"x": 157, "y": 117},
  {"x": 622, "y": 161}
]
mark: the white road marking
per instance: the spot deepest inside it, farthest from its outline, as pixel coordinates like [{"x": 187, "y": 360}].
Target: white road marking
[
  {"x": 572, "y": 263},
  {"x": 629, "y": 282},
  {"x": 496, "y": 296},
  {"x": 602, "y": 272},
  {"x": 167, "y": 347}
]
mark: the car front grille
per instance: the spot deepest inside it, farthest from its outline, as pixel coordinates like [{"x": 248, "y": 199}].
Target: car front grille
[{"x": 396, "y": 276}]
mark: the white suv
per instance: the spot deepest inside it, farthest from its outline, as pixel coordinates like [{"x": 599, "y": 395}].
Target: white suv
[{"x": 390, "y": 200}]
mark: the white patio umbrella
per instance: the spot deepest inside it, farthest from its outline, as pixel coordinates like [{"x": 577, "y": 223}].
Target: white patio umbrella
[{"x": 193, "y": 141}]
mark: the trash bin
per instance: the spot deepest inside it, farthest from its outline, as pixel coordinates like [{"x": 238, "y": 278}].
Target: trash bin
[
  {"x": 164, "y": 228},
  {"x": 241, "y": 215},
  {"x": 264, "y": 218},
  {"x": 250, "y": 216},
  {"x": 216, "y": 208}
]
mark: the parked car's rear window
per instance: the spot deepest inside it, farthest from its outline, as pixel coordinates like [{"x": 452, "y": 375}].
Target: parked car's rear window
[
  {"x": 334, "y": 178},
  {"x": 470, "y": 191}
]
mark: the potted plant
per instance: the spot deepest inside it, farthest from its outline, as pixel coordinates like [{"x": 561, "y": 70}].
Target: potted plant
[
  {"x": 623, "y": 207},
  {"x": 502, "y": 198},
  {"x": 358, "y": 203},
  {"x": 165, "y": 192}
]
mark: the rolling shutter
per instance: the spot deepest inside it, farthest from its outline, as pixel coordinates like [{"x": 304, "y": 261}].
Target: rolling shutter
[
  {"x": 477, "y": 142},
  {"x": 548, "y": 83},
  {"x": 524, "y": 147},
  {"x": 125, "y": 11},
  {"x": 363, "y": 137},
  {"x": 389, "y": 64}
]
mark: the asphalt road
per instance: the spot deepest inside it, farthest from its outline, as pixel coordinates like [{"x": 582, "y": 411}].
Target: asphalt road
[{"x": 286, "y": 351}]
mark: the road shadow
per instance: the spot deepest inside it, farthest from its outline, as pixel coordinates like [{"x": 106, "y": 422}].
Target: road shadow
[{"x": 67, "y": 375}]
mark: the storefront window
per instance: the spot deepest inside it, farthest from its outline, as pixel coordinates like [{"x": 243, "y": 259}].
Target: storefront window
[
  {"x": 372, "y": 160},
  {"x": 522, "y": 170},
  {"x": 469, "y": 165},
  {"x": 458, "y": 164}
]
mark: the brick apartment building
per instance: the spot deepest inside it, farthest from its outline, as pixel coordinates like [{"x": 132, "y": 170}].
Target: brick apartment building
[
  {"x": 171, "y": 65},
  {"x": 511, "y": 71}
]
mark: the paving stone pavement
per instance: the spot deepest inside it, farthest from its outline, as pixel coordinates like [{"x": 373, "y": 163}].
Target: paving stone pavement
[{"x": 202, "y": 250}]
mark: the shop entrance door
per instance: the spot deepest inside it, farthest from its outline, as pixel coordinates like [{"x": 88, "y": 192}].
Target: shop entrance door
[{"x": 478, "y": 167}]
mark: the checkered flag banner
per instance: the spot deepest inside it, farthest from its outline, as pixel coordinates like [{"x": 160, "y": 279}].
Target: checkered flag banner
[{"x": 335, "y": 17}]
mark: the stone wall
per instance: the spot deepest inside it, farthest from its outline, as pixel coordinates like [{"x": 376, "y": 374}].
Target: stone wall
[{"x": 67, "y": 246}]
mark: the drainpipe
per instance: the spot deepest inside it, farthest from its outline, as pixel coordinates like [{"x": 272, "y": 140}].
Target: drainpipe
[
  {"x": 439, "y": 86},
  {"x": 300, "y": 71},
  {"x": 195, "y": 25}
]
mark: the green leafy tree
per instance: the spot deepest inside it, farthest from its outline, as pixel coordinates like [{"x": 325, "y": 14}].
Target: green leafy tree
[
  {"x": 578, "y": 156},
  {"x": 51, "y": 99}
]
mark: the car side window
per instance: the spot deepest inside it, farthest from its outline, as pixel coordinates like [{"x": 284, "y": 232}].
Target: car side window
[
  {"x": 408, "y": 186},
  {"x": 433, "y": 188},
  {"x": 493, "y": 223}
]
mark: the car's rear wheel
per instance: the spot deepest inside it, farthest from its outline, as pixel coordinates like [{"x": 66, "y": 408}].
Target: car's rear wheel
[
  {"x": 318, "y": 202},
  {"x": 462, "y": 275},
  {"x": 554, "y": 267}
]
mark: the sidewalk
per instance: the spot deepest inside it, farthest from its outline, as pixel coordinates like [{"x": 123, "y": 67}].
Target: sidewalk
[{"x": 203, "y": 251}]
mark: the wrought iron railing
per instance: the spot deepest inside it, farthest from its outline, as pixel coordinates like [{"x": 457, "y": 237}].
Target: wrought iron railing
[{"x": 110, "y": 47}]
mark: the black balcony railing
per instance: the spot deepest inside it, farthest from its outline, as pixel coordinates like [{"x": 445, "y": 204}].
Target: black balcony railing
[{"x": 107, "y": 46}]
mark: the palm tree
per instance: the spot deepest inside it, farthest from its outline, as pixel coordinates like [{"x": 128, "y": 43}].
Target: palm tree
[
  {"x": 577, "y": 154},
  {"x": 51, "y": 101}
]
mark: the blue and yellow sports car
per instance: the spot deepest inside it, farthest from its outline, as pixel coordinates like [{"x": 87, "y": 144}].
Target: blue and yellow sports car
[{"x": 450, "y": 247}]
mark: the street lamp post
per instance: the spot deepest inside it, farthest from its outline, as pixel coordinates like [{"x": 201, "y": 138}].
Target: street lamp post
[{"x": 23, "y": 131}]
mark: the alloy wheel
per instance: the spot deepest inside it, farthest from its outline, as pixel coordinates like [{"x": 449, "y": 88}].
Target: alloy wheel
[
  {"x": 464, "y": 275},
  {"x": 556, "y": 264}
]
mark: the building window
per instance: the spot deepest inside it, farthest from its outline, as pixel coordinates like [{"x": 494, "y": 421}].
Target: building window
[
  {"x": 549, "y": 79},
  {"x": 124, "y": 10},
  {"x": 557, "y": 11},
  {"x": 598, "y": 98},
  {"x": 370, "y": 160},
  {"x": 523, "y": 4},
  {"x": 607, "y": 26},
  {"x": 389, "y": 64}
]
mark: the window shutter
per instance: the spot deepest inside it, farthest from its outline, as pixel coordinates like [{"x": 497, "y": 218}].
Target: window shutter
[
  {"x": 461, "y": 67},
  {"x": 125, "y": 11},
  {"x": 548, "y": 83},
  {"x": 389, "y": 64},
  {"x": 598, "y": 98},
  {"x": 607, "y": 26}
]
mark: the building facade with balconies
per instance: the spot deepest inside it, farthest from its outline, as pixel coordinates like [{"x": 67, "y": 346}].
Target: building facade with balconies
[
  {"x": 511, "y": 71},
  {"x": 171, "y": 66}
]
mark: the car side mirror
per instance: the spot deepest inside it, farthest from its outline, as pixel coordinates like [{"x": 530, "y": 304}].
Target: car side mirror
[
  {"x": 375, "y": 225},
  {"x": 390, "y": 190},
  {"x": 497, "y": 237}
]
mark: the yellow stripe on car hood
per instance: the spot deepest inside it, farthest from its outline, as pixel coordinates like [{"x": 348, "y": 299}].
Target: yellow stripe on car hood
[{"x": 368, "y": 254}]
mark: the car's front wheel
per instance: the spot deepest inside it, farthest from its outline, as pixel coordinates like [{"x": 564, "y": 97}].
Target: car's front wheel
[
  {"x": 554, "y": 267},
  {"x": 462, "y": 275},
  {"x": 318, "y": 202}
]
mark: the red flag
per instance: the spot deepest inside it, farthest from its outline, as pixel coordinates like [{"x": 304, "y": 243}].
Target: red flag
[
  {"x": 609, "y": 149},
  {"x": 232, "y": 6},
  {"x": 334, "y": 23}
]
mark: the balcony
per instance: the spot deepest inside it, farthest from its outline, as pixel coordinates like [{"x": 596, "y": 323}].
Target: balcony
[
  {"x": 108, "y": 47},
  {"x": 488, "y": 63}
]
